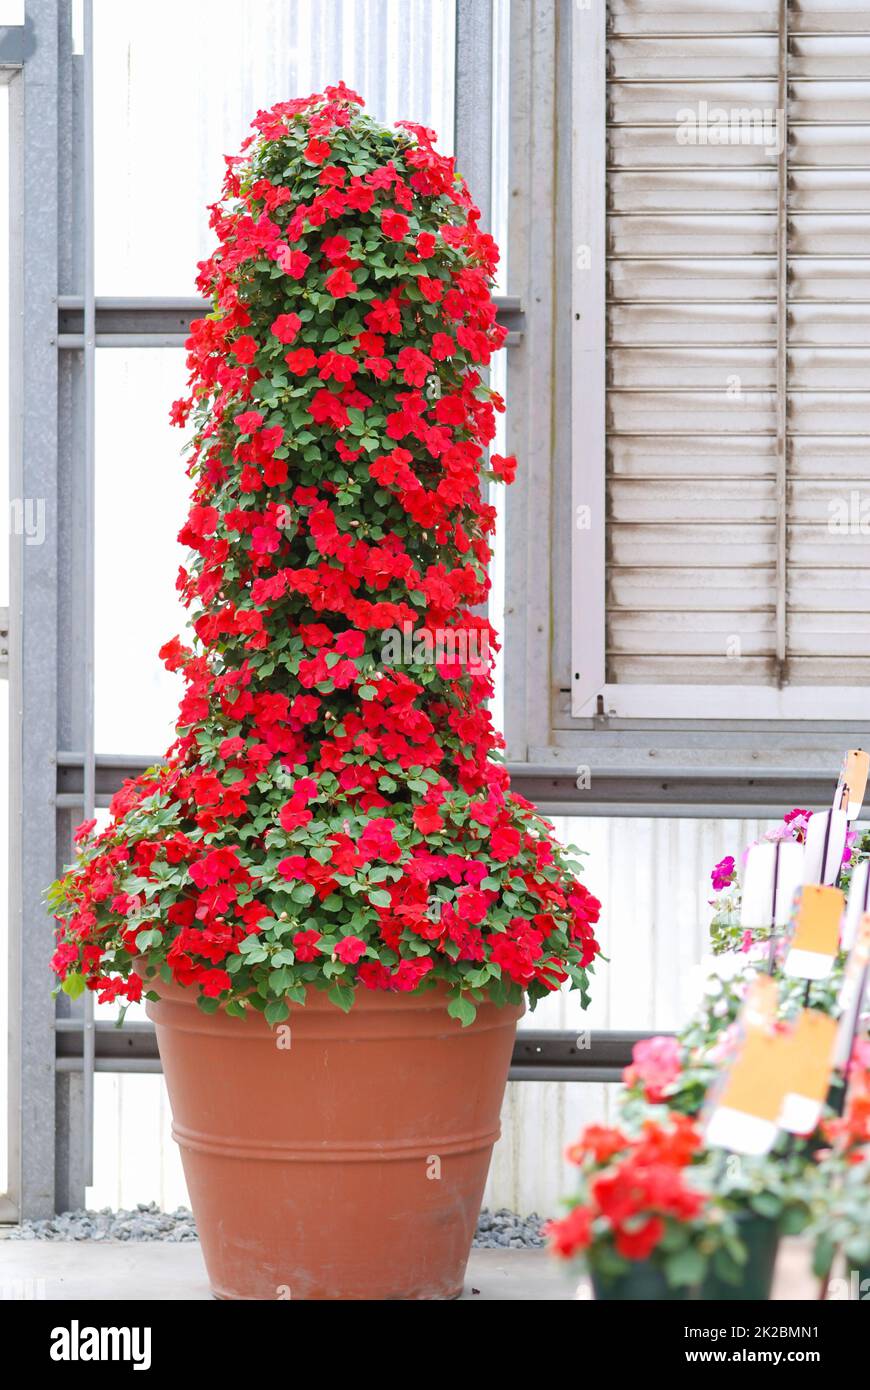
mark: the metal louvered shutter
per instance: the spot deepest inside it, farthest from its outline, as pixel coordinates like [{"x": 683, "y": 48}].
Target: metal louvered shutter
[{"x": 738, "y": 344}]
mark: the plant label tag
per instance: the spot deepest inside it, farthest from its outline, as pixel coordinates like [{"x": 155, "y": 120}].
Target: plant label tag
[
  {"x": 814, "y": 932},
  {"x": 772, "y": 875},
  {"x": 852, "y": 785},
  {"x": 853, "y": 992},
  {"x": 744, "y": 1105},
  {"x": 858, "y": 903},
  {"x": 810, "y": 1051},
  {"x": 826, "y": 840}
]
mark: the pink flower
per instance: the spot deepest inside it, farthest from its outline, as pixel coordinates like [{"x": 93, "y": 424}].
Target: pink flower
[
  {"x": 793, "y": 827},
  {"x": 656, "y": 1064},
  {"x": 723, "y": 875}
]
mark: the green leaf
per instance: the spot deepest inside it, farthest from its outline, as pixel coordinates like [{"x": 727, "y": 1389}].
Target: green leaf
[
  {"x": 766, "y": 1204},
  {"x": 276, "y": 1011},
  {"x": 461, "y": 1007},
  {"x": 685, "y": 1267},
  {"x": 74, "y": 984},
  {"x": 150, "y": 936},
  {"x": 342, "y": 995}
]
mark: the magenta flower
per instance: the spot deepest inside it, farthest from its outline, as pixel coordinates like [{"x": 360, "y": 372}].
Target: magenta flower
[{"x": 723, "y": 874}]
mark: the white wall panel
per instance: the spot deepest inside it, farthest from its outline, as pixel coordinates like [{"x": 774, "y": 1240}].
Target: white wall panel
[{"x": 177, "y": 86}]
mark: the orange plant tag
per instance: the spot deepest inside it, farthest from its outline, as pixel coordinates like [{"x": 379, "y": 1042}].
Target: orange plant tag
[
  {"x": 852, "y": 785},
  {"x": 809, "y": 1057},
  {"x": 744, "y": 1106},
  {"x": 814, "y": 932}
]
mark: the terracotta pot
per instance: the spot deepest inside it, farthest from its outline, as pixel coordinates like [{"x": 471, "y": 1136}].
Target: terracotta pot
[{"x": 349, "y": 1165}]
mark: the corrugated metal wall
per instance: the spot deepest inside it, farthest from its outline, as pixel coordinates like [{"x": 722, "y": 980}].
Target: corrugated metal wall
[
  {"x": 177, "y": 86},
  {"x": 652, "y": 877}
]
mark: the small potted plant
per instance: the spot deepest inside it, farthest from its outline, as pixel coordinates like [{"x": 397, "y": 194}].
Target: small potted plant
[
  {"x": 765, "y": 1197},
  {"x": 328, "y": 894},
  {"x": 841, "y": 1210},
  {"x": 645, "y": 1221}
]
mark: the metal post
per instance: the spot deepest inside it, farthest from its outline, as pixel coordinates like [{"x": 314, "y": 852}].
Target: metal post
[
  {"x": 33, "y": 610},
  {"x": 473, "y": 101},
  {"x": 782, "y": 352},
  {"x": 88, "y": 648}
]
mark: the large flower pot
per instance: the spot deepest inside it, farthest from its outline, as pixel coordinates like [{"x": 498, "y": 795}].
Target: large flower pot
[
  {"x": 644, "y": 1281},
  {"x": 347, "y": 1165},
  {"x": 761, "y": 1238}
]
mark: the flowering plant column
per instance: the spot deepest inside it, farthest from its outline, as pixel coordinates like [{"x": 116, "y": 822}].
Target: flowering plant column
[{"x": 334, "y": 813}]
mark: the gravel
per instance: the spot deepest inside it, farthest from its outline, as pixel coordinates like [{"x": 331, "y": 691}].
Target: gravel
[
  {"x": 500, "y": 1229},
  {"x": 145, "y": 1222},
  {"x": 503, "y": 1228}
]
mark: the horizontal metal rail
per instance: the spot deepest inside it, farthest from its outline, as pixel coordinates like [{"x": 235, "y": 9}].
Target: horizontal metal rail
[
  {"x": 158, "y": 322},
  {"x": 627, "y": 781},
  {"x": 539, "y": 1055}
]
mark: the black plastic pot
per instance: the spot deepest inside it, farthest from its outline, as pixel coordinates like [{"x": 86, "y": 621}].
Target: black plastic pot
[
  {"x": 643, "y": 1282},
  {"x": 761, "y": 1238}
]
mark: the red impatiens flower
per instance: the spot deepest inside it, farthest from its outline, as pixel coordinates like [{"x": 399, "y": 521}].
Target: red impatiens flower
[
  {"x": 245, "y": 348},
  {"x": 638, "y": 1243},
  {"x": 293, "y": 263},
  {"x": 349, "y": 949},
  {"x": 394, "y": 225},
  {"x": 317, "y": 151},
  {"x": 305, "y": 945},
  {"x": 340, "y": 283},
  {"x": 428, "y": 819},
  {"x": 572, "y": 1234},
  {"x": 301, "y": 360},
  {"x": 504, "y": 468},
  {"x": 599, "y": 1141},
  {"x": 286, "y": 326},
  {"x": 504, "y": 843}
]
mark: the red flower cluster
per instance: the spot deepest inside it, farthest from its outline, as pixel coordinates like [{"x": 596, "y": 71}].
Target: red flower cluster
[
  {"x": 634, "y": 1188},
  {"x": 326, "y": 817}
]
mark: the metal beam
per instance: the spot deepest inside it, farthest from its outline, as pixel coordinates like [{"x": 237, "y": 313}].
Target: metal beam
[
  {"x": 674, "y": 791},
  {"x": 630, "y": 783},
  {"x": 158, "y": 322},
  {"x": 539, "y": 1055},
  {"x": 17, "y": 42}
]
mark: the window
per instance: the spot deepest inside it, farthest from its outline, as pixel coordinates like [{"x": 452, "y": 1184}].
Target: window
[
  {"x": 710, "y": 398},
  {"x": 737, "y": 356}
]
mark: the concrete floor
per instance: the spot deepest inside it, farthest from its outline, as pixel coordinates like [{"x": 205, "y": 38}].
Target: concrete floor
[{"x": 112, "y": 1270}]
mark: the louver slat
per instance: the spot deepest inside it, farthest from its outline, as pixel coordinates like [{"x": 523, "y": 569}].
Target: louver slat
[{"x": 692, "y": 379}]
